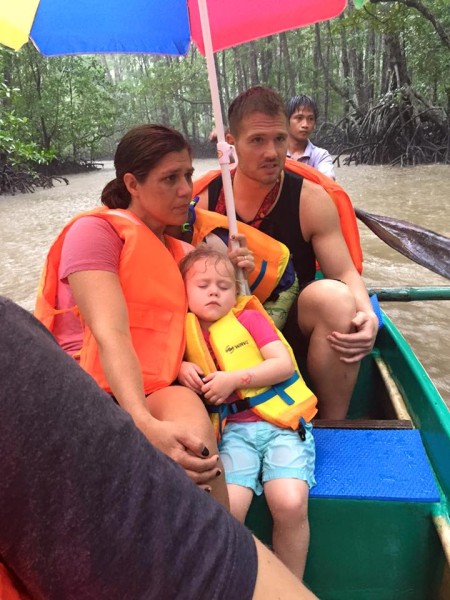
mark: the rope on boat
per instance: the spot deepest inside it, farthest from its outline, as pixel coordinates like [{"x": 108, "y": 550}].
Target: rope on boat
[{"x": 395, "y": 395}]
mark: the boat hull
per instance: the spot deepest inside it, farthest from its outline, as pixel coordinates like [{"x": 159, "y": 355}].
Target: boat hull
[{"x": 364, "y": 549}]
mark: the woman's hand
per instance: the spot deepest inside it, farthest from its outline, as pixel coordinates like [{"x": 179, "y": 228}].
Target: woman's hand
[
  {"x": 183, "y": 447},
  {"x": 241, "y": 256}
]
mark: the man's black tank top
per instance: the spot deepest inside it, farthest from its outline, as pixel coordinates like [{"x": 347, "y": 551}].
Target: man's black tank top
[{"x": 282, "y": 223}]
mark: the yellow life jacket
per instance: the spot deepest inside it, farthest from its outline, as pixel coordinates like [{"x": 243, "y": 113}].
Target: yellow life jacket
[
  {"x": 271, "y": 256},
  {"x": 282, "y": 404}
]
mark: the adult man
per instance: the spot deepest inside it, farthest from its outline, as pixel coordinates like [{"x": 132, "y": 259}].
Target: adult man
[
  {"x": 334, "y": 315},
  {"x": 302, "y": 114},
  {"x": 91, "y": 510}
]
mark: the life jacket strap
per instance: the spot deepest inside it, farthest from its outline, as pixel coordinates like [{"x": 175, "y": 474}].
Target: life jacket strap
[
  {"x": 260, "y": 276},
  {"x": 301, "y": 429},
  {"x": 278, "y": 389},
  {"x": 222, "y": 411}
]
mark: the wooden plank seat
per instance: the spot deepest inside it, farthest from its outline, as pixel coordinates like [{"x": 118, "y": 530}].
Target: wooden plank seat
[{"x": 373, "y": 464}]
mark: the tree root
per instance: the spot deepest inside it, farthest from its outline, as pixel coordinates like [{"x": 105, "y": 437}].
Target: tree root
[{"x": 399, "y": 130}]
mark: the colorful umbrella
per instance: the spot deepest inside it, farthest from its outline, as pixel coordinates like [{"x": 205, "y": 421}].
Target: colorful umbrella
[
  {"x": 151, "y": 26},
  {"x": 59, "y": 27}
]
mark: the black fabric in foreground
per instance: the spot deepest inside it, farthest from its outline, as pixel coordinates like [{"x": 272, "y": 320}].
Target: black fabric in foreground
[{"x": 89, "y": 509}]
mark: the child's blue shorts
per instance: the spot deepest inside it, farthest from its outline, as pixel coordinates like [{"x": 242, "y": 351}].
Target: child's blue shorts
[{"x": 253, "y": 453}]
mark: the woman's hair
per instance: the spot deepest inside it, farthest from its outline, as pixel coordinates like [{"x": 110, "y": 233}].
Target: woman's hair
[
  {"x": 204, "y": 252},
  {"x": 138, "y": 152}
]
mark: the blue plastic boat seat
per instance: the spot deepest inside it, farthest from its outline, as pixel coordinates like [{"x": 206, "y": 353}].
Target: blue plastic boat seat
[{"x": 373, "y": 464}]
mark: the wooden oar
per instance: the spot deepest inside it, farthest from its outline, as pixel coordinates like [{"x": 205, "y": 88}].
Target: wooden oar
[
  {"x": 410, "y": 294},
  {"x": 423, "y": 246}
]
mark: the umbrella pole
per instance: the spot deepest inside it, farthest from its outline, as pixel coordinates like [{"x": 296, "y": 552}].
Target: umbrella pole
[{"x": 223, "y": 148}]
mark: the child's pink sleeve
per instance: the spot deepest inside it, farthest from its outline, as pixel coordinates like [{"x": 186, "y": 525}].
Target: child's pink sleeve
[{"x": 258, "y": 327}]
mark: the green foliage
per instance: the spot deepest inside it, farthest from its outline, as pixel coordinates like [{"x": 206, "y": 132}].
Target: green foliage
[
  {"x": 68, "y": 101},
  {"x": 15, "y": 137},
  {"x": 78, "y": 107}
]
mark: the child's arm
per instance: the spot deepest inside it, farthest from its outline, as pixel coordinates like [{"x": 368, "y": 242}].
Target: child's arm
[
  {"x": 190, "y": 376},
  {"x": 277, "y": 367}
]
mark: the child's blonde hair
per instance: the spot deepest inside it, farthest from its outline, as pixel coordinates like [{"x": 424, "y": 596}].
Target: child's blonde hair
[{"x": 203, "y": 252}]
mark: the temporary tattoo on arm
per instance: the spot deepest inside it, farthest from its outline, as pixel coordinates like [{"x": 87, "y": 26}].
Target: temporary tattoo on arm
[{"x": 246, "y": 378}]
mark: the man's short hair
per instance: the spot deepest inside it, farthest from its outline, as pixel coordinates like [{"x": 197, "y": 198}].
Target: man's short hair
[
  {"x": 294, "y": 103},
  {"x": 256, "y": 99}
]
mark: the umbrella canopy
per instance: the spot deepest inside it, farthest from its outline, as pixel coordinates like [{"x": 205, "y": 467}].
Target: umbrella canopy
[
  {"x": 159, "y": 27},
  {"x": 151, "y": 26}
]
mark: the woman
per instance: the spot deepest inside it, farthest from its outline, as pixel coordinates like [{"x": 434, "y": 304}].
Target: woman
[{"x": 117, "y": 268}]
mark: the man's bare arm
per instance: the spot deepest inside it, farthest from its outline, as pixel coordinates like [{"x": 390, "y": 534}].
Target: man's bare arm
[{"x": 320, "y": 224}]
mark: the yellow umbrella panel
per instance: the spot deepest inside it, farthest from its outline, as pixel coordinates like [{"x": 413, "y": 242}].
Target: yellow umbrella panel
[{"x": 16, "y": 19}]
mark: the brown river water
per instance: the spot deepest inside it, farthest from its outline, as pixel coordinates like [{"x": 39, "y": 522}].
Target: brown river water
[{"x": 29, "y": 222}]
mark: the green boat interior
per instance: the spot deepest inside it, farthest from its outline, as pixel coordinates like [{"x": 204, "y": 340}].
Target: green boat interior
[{"x": 378, "y": 514}]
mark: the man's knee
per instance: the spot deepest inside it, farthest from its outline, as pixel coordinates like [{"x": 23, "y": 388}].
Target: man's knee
[
  {"x": 326, "y": 291},
  {"x": 326, "y": 302}
]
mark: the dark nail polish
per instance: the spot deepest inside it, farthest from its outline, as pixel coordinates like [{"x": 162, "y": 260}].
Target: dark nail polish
[
  {"x": 218, "y": 473},
  {"x": 205, "y": 451},
  {"x": 207, "y": 490}
]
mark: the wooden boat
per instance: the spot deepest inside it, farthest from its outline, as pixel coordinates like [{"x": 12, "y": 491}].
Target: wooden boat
[
  {"x": 368, "y": 541},
  {"x": 379, "y": 514}
]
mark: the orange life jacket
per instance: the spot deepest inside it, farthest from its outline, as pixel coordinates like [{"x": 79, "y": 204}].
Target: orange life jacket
[
  {"x": 339, "y": 196},
  {"x": 271, "y": 256},
  {"x": 8, "y": 589},
  {"x": 154, "y": 293}
]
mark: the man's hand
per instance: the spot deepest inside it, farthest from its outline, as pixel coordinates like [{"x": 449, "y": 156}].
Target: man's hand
[
  {"x": 354, "y": 346},
  {"x": 218, "y": 386}
]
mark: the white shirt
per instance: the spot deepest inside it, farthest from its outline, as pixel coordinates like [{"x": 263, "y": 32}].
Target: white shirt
[{"x": 319, "y": 158}]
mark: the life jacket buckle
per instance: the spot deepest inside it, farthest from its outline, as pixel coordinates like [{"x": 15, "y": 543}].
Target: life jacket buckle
[
  {"x": 301, "y": 429},
  {"x": 239, "y": 406}
]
